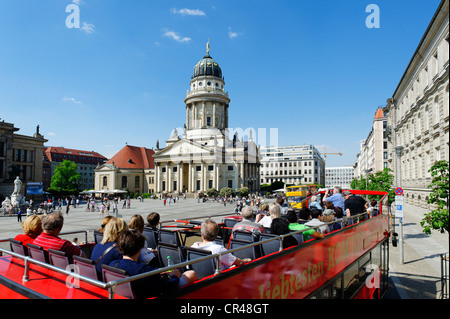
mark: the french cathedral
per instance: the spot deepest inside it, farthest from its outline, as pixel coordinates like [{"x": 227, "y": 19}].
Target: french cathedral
[{"x": 207, "y": 154}]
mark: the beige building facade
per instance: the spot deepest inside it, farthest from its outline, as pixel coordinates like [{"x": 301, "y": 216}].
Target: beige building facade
[
  {"x": 418, "y": 112},
  {"x": 130, "y": 169},
  {"x": 21, "y": 156}
]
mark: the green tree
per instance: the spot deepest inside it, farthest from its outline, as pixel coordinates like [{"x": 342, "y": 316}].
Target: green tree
[
  {"x": 380, "y": 181},
  {"x": 66, "y": 179},
  {"x": 242, "y": 192},
  {"x": 212, "y": 192},
  {"x": 226, "y": 191},
  {"x": 437, "y": 219}
]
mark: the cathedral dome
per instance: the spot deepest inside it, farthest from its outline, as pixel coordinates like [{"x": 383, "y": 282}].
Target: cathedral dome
[{"x": 207, "y": 66}]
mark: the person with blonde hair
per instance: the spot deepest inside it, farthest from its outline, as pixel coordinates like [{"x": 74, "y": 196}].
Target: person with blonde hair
[
  {"x": 274, "y": 212},
  {"x": 32, "y": 227},
  {"x": 106, "y": 251}
]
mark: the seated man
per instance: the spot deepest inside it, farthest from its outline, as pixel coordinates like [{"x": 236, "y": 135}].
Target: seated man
[
  {"x": 51, "y": 226},
  {"x": 130, "y": 243},
  {"x": 209, "y": 233},
  {"x": 247, "y": 224},
  {"x": 316, "y": 220},
  {"x": 294, "y": 225}
]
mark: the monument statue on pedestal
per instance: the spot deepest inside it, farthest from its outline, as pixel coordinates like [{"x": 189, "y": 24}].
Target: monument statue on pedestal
[{"x": 16, "y": 198}]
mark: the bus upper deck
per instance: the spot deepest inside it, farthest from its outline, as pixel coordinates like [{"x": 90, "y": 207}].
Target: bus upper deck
[{"x": 341, "y": 265}]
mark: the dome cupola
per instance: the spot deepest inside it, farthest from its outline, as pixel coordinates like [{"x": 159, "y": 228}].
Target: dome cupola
[{"x": 207, "y": 66}]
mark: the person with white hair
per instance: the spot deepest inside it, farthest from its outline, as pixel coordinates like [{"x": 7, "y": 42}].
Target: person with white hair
[
  {"x": 314, "y": 203},
  {"x": 247, "y": 223}
]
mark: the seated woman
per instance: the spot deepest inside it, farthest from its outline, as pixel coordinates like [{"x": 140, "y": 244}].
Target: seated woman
[
  {"x": 130, "y": 244},
  {"x": 147, "y": 255},
  {"x": 280, "y": 226},
  {"x": 32, "y": 227},
  {"x": 106, "y": 251},
  {"x": 274, "y": 212}
]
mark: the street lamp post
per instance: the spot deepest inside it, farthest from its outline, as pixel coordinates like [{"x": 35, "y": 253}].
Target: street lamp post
[{"x": 399, "y": 152}]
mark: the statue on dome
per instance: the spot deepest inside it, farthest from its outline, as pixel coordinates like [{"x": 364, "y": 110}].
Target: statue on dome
[{"x": 207, "y": 48}]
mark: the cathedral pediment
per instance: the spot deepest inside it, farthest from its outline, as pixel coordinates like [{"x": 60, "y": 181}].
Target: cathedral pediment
[{"x": 183, "y": 149}]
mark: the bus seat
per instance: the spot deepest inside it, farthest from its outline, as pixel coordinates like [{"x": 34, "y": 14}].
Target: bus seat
[
  {"x": 38, "y": 253},
  {"x": 98, "y": 236},
  {"x": 114, "y": 274},
  {"x": 173, "y": 251},
  {"x": 86, "y": 267},
  {"x": 18, "y": 247},
  {"x": 249, "y": 252},
  {"x": 271, "y": 246},
  {"x": 169, "y": 237},
  {"x": 58, "y": 258},
  {"x": 203, "y": 268},
  {"x": 150, "y": 237}
]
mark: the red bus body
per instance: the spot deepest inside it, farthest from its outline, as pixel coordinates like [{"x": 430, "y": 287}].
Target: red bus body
[{"x": 293, "y": 273}]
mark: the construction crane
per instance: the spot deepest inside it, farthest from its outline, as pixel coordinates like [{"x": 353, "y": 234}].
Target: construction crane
[{"x": 325, "y": 154}]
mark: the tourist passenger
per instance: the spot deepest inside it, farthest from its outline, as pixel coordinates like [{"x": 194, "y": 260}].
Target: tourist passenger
[
  {"x": 130, "y": 244},
  {"x": 294, "y": 226},
  {"x": 337, "y": 198},
  {"x": 372, "y": 210},
  {"x": 274, "y": 212},
  {"x": 353, "y": 205},
  {"x": 329, "y": 216},
  {"x": 247, "y": 223},
  {"x": 280, "y": 226},
  {"x": 137, "y": 223},
  {"x": 32, "y": 227},
  {"x": 105, "y": 221},
  {"x": 209, "y": 232},
  {"x": 304, "y": 215},
  {"x": 52, "y": 225},
  {"x": 106, "y": 251},
  {"x": 314, "y": 203},
  {"x": 280, "y": 201},
  {"x": 316, "y": 220},
  {"x": 153, "y": 220}
]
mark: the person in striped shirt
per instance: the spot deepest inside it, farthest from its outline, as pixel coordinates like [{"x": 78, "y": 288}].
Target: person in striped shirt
[{"x": 51, "y": 226}]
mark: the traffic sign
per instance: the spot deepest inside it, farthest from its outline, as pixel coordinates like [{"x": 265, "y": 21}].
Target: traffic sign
[
  {"x": 399, "y": 191},
  {"x": 399, "y": 199}
]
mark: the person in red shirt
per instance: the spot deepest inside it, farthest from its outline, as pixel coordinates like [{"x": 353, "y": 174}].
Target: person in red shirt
[
  {"x": 52, "y": 225},
  {"x": 32, "y": 227}
]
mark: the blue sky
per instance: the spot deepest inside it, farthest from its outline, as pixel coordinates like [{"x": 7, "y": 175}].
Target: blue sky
[{"x": 312, "y": 69}]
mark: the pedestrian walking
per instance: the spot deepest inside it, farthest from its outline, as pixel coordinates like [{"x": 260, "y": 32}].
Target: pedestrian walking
[
  {"x": 67, "y": 209},
  {"x": 19, "y": 215}
]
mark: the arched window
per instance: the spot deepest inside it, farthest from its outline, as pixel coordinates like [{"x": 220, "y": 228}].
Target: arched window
[
  {"x": 124, "y": 182},
  {"x": 436, "y": 110}
]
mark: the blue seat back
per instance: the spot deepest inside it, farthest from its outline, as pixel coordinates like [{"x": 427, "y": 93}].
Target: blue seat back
[{"x": 203, "y": 268}]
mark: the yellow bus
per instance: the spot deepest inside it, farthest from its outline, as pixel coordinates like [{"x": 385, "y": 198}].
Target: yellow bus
[{"x": 296, "y": 196}]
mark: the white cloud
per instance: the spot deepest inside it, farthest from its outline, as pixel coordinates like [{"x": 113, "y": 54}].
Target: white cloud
[
  {"x": 51, "y": 133},
  {"x": 88, "y": 28},
  {"x": 175, "y": 36},
  {"x": 71, "y": 99},
  {"x": 189, "y": 12},
  {"x": 78, "y": 2},
  {"x": 232, "y": 35}
]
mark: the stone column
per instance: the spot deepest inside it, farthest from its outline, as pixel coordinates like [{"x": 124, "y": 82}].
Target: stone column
[
  {"x": 203, "y": 124},
  {"x": 190, "y": 178},
  {"x": 179, "y": 185}
]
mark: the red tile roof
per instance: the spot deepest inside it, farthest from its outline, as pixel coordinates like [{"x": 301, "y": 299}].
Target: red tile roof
[
  {"x": 133, "y": 157},
  {"x": 58, "y": 154},
  {"x": 379, "y": 113}
]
